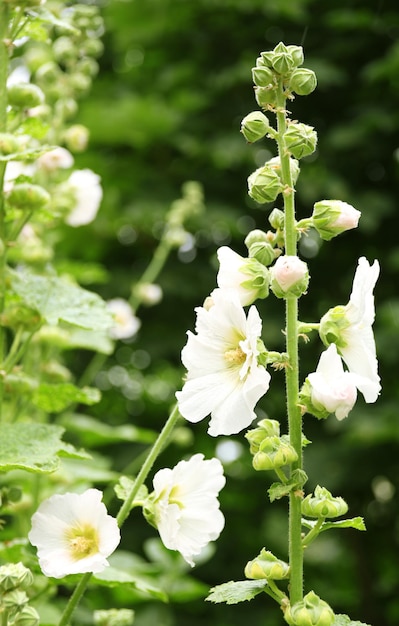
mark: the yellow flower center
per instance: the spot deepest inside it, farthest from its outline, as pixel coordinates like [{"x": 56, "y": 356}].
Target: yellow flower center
[
  {"x": 235, "y": 356},
  {"x": 83, "y": 541}
]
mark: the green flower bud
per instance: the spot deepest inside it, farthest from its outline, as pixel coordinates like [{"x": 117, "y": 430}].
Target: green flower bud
[
  {"x": 266, "y": 428},
  {"x": 8, "y": 143},
  {"x": 28, "y": 197},
  {"x": 88, "y": 67},
  {"x": 303, "y": 81},
  {"x": 300, "y": 139},
  {"x": 296, "y": 53},
  {"x": 25, "y": 96},
  {"x": 274, "y": 452},
  {"x": 28, "y": 616},
  {"x": 311, "y": 611},
  {"x": 15, "y": 575},
  {"x": 254, "y": 126},
  {"x": 65, "y": 50},
  {"x": 93, "y": 47},
  {"x": 289, "y": 277},
  {"x": 264, "y": 184},
  {"x": 266, "y": 58},
  {"x": 80, "y": 83},
  {"x": 332, "y": 325},
  {"x": 66, "y": 107},
  {"x": 114, "y": 617},
  {"x": 263, "y": 252},
  {"x": 333, "y": 217},
  {"x": 275, "y": 164},
  {"x": 276, "y": 219},
  {"x": 282, "y": 60},
  {"x": 14, "y": 599},
  {"x": 266, "y": 565},
  {"x": 48, "y": 73},
  {"x": 266, "y": 96},
  {"x": 256, "y": 236},
  {"x": 323, "y": 504},
  {"x": 76, "y": 138},
  {"x": 263, "y": 76}
]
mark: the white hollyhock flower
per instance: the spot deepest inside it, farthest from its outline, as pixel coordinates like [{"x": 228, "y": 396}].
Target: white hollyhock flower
[
  {"x": 185, "y": 505},
  {"x": 86, "y": 187},
  {"x": 248, "y": 277},
  {"x": 58, "y": 158},
  {"x": 73, "y": 534},
  {"x": 350, "y": 327},
  {"x": 126, "y": 324},
  {"x": 224, "y": 377},
  {"x": 331, "y": 387}
]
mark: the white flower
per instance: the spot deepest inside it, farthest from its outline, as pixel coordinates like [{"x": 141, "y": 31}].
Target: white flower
[
  {"x": 248, "y": 277},
  {"x": 126, "y": 324},
  {"x": 224, "y": 378},
  {"x": 58, "y": 158},
  {"x": 73, "y": 534},
  {"x": 186, "y": 506},
  {"x": 351, "y": 328},
  {"x": 331, "y": 387},
  {"x": 88, "y": 195}
]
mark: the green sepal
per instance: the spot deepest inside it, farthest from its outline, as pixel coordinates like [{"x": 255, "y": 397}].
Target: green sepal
[
  {"x": 234, "y": 592},
  {"x": 331, "y": 326}
]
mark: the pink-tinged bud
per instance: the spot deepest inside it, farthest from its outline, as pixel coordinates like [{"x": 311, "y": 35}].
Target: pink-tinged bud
[
  {"x": 333, "y": 217},
  {"x": 289, "y": 277}
]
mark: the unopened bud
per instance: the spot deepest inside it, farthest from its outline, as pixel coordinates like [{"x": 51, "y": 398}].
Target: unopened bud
[
  {"x": 266, "y": 428},
  {"x": 282, "y": 60},
  {"x": 276, "y": 219},
  {"x": 296, "y": 53},
  {"x": 28, "y": 197},
  {"x": 254, "y": 126},
  {"x": 263, "y": 252},
  {"x": 266, "y": 58},
  {"x": 300, "y": 139},
  {"x": 24, "y": 95},
  {"x": 289, "y": 277},
  {"x": 323, "y": 504},
  {"x": 266, "y": 96},
  {"x": 264, "y": 184},
  {"x": 303, "y": 81},
  {"x": 76, "y": 138},
  {"x": 333, "y": 217},
  {"x": 263, "y": 76},
  {"x": 274, "y": 452},
  {"x": 311, "y": 611},
  {"x": 28, "y": 616},
  {"x": 15, "y": 575},
  {"x": 266, "y": 565},
  {"x": 275, "y": 164},
  {"x": 65, "y": 50},
  {"x": 255, "y": 236},
  {"x": 14, "y": 599},
  {"x": 8, "y": 143}
]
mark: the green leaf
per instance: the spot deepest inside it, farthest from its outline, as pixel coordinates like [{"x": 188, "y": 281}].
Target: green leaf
[
  {"x": 354, "y": 522},
  {"x": 344, "y": 620},
  {"x": 124, "y": 487},
  {"x": 279, "y": 490},
  {"x": 33, "y": 447},
  {"x": 93, "y": 432},
  {"x": 57, "y": 300},
  {"x": 55, "y": 398},
  {"x": 234, "y": 592}
]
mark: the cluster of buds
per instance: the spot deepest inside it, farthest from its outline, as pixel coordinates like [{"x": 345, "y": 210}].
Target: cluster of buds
[
  {"x": 269, "y": 449},
  {"x": 311, "y": 611},
  {"x": 265, "y": 183},
  {"x": 322, "y": 504},
  {"x": 267, "y": 566},
  {"x": 15, "y": 578}
]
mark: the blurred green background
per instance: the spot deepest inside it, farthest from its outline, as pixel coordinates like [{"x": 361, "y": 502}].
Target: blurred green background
[{"x": 174, "y": 84}]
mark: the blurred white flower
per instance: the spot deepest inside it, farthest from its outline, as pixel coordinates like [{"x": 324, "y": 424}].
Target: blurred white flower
[
  {"x": 149, "y": 293},
  {"x": 73, "y": 534},
  {"x": 246, "y": 275},
  {"x": 331, "y": 387},
  {"x": 126, "y": 324},
  {"x": 58, "y": 158},
  {"x": 86, "y": 187},
  {"x": 350, "y": 328},
  {"x": 186, "y": 507},
  {"x": 224, "y": 377},
  {"x": 15, "y": 169}
]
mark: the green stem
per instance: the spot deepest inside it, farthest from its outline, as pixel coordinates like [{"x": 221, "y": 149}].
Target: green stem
[
  {"x": 315, "y": 532},
  {"x": 159, "y": 445},
  {"x": 292, "y": 371},
  {"x": 152, "y": 271}
]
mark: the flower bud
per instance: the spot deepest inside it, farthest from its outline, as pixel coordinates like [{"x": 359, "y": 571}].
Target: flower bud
[
  {"x": 66, "y": 107},
  {"x": 76, "y": 138},
  {"x": 14, "y": 599},
  {"x": 264, "y": 184},
  {"x": 323, "y": 504},
  {"x": 266, "y": 428},
  {"x": 262, "y": 76},
  {"x": 254, "y": 126},
  {"x": 48, "y": 73},
  {"x": 266, "y": 565},
  {"x": 15, "y": 575},
  {"x": 276, "y": 219},
  {"x": 266, "y": 96},
  {"x": 80, "y": 83},
  {"x": 266, "y": 58},
  {"x": 28, "y": 616},
  {"x": 263, "y": 252},
  {"x": 303, "y": 81},
  {"x": 311, "y": 611},
  {"x": 300, "y": 139},
  {"x": 274, "y": 452},
  {"x": 255, "y": 236},
  {"x": 93, "y": 47},
  {"x": 289, "y": 277},
  {"x": 28, "y": 197},
  {"x": 8, "y": 143},
  {"x": 296, "y": 53},
  {"x": 333, "y": 217},
  {"x": 275, "y": 164},
  {"x": 65, "y": 50},
  {"x": 282, "y": 60},
  {"x": 25, "y": 95}
]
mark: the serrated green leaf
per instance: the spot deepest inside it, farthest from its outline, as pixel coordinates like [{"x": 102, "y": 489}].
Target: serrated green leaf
[
  {"x": 234, "y": 592},
  {"x": 57, "y": 300},
  {"x": 55, "y": 398},
  {"x": 344, "y": 620},
  {"x": 33, "y": 447},
  {"x": 124, "y": 487},
  {"x": 354, "y": 522}
]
